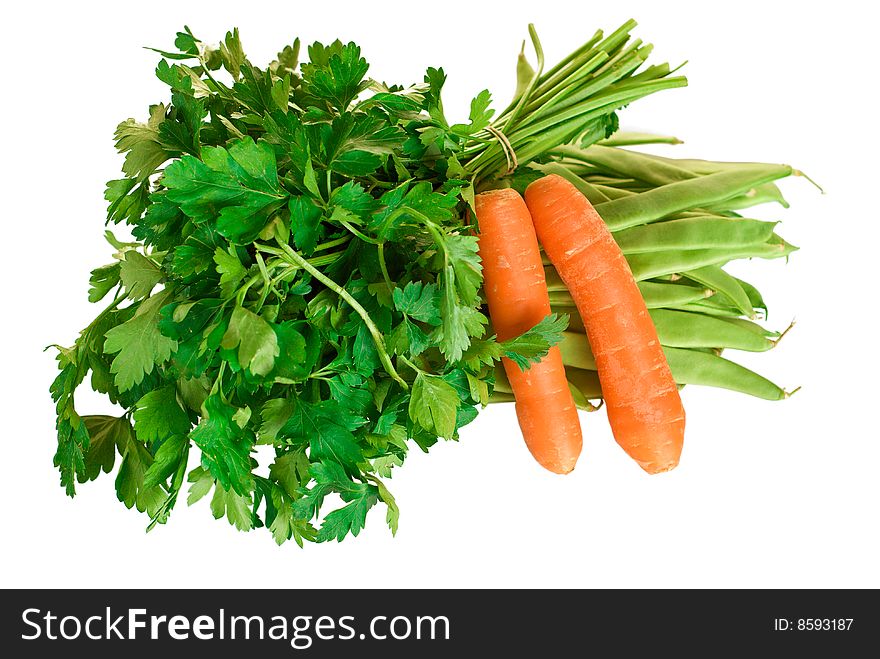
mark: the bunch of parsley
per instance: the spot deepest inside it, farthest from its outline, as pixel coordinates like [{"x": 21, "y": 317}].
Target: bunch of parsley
[{"x": 303, "y": 276}]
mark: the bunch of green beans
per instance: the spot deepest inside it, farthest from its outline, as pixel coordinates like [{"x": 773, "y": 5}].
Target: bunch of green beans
[{"x": 678, "y": 222}]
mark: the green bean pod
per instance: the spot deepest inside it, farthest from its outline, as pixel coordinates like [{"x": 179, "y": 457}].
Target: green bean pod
[
  {"x": 707, "y": 369},
  {"x": 656, "y": 295},
  {"x": 754, "y": 327},
  {"x": 713, "y": 277},
  {"x": 704, "y": 232},
  {"x": 584, "y": 386},
  {"x": 590, "y": 191},
  {"x": 499, "y": 396},
  {"x": 698, "y": 166},
  {"x": 628, "y": 164},
  {"x": 698, "y": 192},
  {"x": 684, "y": 329},
  {"x": 648, "y": 266},
  {"x": 688, "y": 367},
  {"x": 612, "y": 192},
  {"x": 687, "y": 329},
  {"x": 585, "y": 383},
  {"x": 717, "y": 305},
  {"x": 769, "y": 193},
  {"x": 755, "y": 298}
]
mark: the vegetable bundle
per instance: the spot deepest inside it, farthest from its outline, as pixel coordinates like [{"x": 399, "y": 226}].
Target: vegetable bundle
[{"x": 303, "y": 273}]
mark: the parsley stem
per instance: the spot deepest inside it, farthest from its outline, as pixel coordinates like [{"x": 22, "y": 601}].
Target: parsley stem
[
  {"x": 359, "y": 234},
  {"x": 289, "y": 270},
  {"x": 243, "y": 291},
  {"x": 332, "y": 243},
  {"x": 411, "y": 365},
  {"x": 267, "y": 282},
  {"x": 217, "y": 386},
  {"x": 384, "y": 267},
  {"x": 354, "y": 304}
]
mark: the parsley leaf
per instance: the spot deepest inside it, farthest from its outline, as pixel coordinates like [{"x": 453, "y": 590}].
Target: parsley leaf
[
  {"x": 231, "y": 271},
  {"x": 159, "y": 416},
  {"x": 238, "y": 188},
  {"x": 419, "y": 301},
  {"x": 139, "y": 275},
  {"x": 335, "y": 74},
  {"x": 256, "y": 341},
  {"x": 532, "y": 345},
  {"x": 433, "y": 404},
  {"x": 139, "y": 344},
  {"x": 479, "y": 116},
  {"x": 234, "y": 506},
  {"x": 305, "y": 218},
  {"x": 225, "y": 446},
  {"x": 328, "y": 429},
  {"x": 105, "y": 433}
]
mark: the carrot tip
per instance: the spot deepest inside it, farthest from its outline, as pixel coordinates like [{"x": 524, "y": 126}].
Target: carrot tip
[
  {"x": 561, "y": 467},
  {"x": 655, "y": 468}
]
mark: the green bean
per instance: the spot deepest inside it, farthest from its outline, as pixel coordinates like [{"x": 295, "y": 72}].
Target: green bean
[
  {"x": 691, "y": 367},
  {"x": 659, "y": 295},
  {"x": 660, "y": 264},
  {"x": 502, "y": 384},
  {"x": 647, "y": 266},
  {"x": 612, "y": 192},
  {"x": 624, "y": 138},
  {"x": 628, "y": 184},
  {"x": 576, "y": 350},
  {"x": 762, "y": 194},
  {"x": 710, "y": 308},
  {"x": 576, "y": 167},
  {"x": 754, "y": 327},
  {"x": 693, "y": 233},
  {"x": 535, "y": 138},
  {"x": 683, "y": 329},
  {"x": 698, "y": 368},
  {"x": 755, "y": 298},
  {"x": 501, "y": 397},
  {"x": 628, "y": 164},
  {"x": 583, "y": 385},
  {"x": 703, "y": 167},
  {"x": 712, "y": 276},
  {"x": 554, "y": 281},
  {"x": 656, "y": 295},
  {"x": 587, "y": 189},
  {"x": 655, "y": 204},
  {"x": 560, "y": 299},
  {"x": 575, "y": 323},
  {"x": 688, "y": 367},
  {"x": 586, "y": 383},
  {"x": 696, "y": 212}
]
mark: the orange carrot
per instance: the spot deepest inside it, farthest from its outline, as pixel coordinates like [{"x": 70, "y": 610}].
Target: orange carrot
[
  {"x": 644, "y": 408},
  {"x": 515, "y": 289}
]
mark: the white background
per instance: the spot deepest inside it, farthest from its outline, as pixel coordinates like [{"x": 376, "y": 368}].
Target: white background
[{"x": 767, "y": 495}]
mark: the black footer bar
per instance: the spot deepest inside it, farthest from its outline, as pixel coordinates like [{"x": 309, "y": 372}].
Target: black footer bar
[{"x": 316, "y": 623}]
